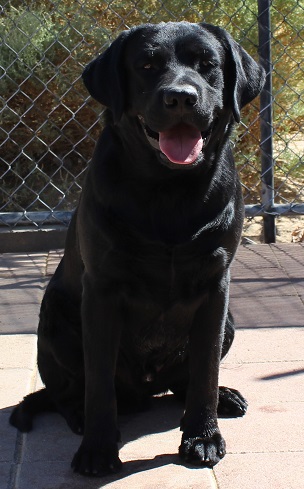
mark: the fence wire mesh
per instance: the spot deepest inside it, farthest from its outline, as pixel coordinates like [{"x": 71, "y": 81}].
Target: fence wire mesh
[{"x": 49, "y": 124}]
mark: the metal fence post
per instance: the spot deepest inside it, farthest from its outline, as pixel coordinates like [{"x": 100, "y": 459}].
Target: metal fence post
[{"x": 266, "y": 99}]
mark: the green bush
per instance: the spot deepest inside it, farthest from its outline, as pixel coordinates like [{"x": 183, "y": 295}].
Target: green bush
[{"x": 25, "y": 36}]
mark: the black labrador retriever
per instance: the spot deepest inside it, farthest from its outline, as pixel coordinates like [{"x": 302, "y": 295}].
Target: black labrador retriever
[{"x": 139, "y": 303}]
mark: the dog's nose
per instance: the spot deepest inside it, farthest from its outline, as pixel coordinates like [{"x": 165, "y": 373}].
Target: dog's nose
[{"x": 181, "y": 98}]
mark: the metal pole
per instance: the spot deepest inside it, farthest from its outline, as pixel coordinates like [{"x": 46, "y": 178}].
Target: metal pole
[{"x": 266, "y": 100}]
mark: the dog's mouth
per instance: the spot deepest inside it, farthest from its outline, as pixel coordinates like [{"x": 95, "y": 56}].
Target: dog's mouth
[{"x": 182, "y": 144}]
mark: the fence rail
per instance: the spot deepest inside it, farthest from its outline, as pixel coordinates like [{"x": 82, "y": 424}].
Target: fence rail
[{"x": 49, "y": 124}]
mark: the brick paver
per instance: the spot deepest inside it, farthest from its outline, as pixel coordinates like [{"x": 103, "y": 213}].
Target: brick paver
[{"x": 264, "y": 449}]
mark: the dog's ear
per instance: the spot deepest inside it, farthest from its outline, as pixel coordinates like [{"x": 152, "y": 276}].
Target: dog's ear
[
  {"x": 104, "y": 77},
  {"x": 244, "y": 78}
]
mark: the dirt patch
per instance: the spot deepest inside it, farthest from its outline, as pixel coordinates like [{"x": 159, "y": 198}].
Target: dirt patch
[{"x": 288, "y": 229}]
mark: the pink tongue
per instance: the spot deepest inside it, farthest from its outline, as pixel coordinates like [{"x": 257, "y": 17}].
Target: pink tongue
[{"x": 181, "y": 144}]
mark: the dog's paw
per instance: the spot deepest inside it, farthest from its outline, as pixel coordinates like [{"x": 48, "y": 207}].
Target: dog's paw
[
  {"x": 96, "y": 462},
  {"x": 231, "y": 403},
  {"x": 204, "y": 451}
]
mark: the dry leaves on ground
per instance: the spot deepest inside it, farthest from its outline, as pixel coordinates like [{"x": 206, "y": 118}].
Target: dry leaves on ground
[{"x": 297, "y": 236}]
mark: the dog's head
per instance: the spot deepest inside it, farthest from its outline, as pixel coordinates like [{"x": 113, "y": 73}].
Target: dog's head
[{"x": 180, "y": 81}]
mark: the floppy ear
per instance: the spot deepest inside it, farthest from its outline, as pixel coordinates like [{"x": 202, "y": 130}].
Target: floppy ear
[
  {"x": 104, "y": 77},
  {"x": 244, "y": 78}
]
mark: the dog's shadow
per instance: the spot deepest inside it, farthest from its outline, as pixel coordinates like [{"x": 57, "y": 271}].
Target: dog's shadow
[
  {"x": 50, "y": 447},
  {"x": 163, "y": 414}
]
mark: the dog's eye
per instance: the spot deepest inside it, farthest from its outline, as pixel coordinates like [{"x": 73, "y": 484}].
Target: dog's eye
[{"x": 208, "y": 63}]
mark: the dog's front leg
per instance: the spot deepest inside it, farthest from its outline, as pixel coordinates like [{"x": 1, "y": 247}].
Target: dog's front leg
[
  {"x": 101, "y": 327},
  {"x": 202, "y": 442}
]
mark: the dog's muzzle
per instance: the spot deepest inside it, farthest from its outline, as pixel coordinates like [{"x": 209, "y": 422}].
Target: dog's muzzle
[{"x": 181, "y": 144}]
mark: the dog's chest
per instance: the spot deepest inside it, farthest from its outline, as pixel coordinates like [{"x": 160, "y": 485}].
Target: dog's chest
[
  {"x": 164, "y": 294},
  {"x": 154, "y": 335},
  {"x": 163, "y": 290},
  {"x": 170, "y": 276}
]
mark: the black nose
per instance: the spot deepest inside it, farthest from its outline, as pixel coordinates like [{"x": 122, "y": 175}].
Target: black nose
[{"x": 181, "y": 98}]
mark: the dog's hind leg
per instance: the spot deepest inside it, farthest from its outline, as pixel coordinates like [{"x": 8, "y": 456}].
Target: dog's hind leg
[
  {"x": 60, "y": 356},
  {"x": 231, "y": 402}
]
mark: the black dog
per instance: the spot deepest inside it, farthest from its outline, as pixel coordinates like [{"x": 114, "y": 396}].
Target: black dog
[{"x": 139, "y": 303}]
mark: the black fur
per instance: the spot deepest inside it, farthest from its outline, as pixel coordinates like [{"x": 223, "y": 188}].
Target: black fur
[{"x": 139, "y": 303}]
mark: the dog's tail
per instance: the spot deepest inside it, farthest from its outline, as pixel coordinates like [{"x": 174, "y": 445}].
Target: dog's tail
[{"x": 22, "y": 415}]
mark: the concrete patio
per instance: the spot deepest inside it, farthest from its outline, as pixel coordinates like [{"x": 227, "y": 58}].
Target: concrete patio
[{"x": 264, "y": 449}]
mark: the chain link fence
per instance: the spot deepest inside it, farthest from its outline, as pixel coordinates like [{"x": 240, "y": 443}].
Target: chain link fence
[{"x": 49, "y": 124}]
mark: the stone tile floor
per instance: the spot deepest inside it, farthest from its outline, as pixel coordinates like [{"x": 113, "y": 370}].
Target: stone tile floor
[{"x": 266, "y": 362}]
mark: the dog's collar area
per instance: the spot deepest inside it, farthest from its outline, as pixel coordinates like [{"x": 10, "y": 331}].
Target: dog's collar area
[{"x": 153, "y": 137}]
